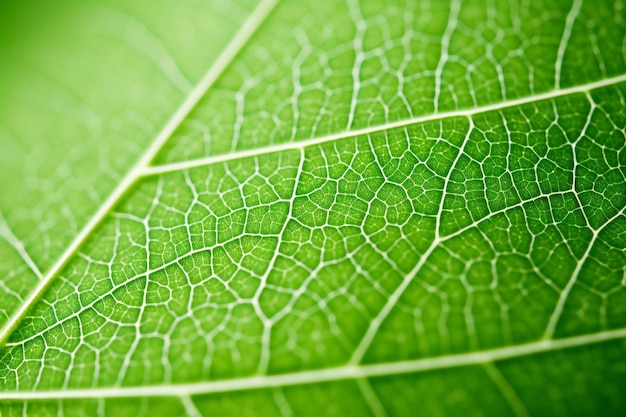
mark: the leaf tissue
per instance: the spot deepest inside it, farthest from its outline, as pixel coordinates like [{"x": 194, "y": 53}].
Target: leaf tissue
[{"x": 293, "y": 208}]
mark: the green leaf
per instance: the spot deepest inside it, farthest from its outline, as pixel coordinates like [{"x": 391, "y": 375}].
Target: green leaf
[{"x": 346, "y": 208}]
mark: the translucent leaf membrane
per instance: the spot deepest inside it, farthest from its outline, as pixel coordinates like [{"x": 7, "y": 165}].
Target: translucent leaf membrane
[
  {"x": 85, "y": 88},
  {"x": 355, "y": 208}
]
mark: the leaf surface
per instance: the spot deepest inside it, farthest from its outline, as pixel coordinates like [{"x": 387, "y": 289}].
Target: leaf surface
[{"x": 359, "y": 208}]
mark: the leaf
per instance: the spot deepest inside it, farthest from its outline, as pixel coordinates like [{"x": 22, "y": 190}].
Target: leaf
[{"x": 346, "y": 208}]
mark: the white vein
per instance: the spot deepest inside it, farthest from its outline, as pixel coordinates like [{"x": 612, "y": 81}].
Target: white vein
[
  {"x": 7, "y": 234},
  {"x": 453, "y": 19},
  {"x": 567, "y": 33},
  {"x": 558, "y": 310},
  {"x": 228, "y": 54},
  {"x": 339, "y": 373},
  {"x": 371, "y": 398},
  {"x": 190, "y": 407},
  {"x": 375, "y": 324},
  {"x": 177, "y": 166},
  {"x": 507, "y": 391},
  {"x": 351, "y": 371},
  {"x": 139, "y": 37}
]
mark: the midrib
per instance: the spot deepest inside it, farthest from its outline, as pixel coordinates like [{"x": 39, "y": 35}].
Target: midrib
[{"x": 325, "y": 375}]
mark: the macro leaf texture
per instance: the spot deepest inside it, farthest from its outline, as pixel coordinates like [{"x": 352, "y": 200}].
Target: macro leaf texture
[{"x": 293, "y": 208}]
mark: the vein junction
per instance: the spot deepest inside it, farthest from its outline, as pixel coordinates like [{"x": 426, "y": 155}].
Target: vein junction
[
  {"x": 194, "y": 253},
  {"x": 311, "y": 254}
]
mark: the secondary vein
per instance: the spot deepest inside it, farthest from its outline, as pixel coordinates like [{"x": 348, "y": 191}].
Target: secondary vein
[
  {"x": 339, "y": 373},
  {"x": 7, "y": 234},
  {"x": 209, "y": 160}
]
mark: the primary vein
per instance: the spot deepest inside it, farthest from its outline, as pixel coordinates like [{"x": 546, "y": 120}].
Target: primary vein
[{"x": 256, "y": 18}]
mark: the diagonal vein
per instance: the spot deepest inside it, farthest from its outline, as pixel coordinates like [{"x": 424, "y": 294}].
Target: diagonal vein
[
  {"x": 558, "y": 310},
  {"x": 256, "y": 18},
  {"x": 178, "y": 166},
  {"x": 339, "y": 373},
  {"x": 384, "y": 312},
  {"x": 567, "y": 33},
  {"x": 7, "y": 234}
]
